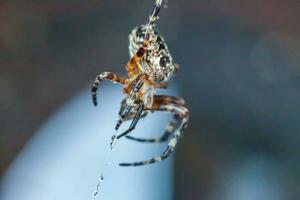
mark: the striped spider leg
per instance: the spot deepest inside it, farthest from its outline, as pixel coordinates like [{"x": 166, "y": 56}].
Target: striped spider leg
[
  {"x": 105, "y": 76},
  {"x": 174, "y": 106},
  {"x": 171, "y": 127}
]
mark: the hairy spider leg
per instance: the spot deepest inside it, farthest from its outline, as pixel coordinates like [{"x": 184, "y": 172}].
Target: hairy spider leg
[
  {"x": 123, "y": 105},
  {"x": 105, "y": 76},
  {"x": 154, "y": 14},
  {"x": 123, "y": 113},
  {"x": 183, "y": 113},
  {"x": 134, "y": 121},
  {"x": 171, "y": 127}
]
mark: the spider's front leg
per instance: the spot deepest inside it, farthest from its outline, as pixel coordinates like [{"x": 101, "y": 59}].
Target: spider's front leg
[
  {"x": 175, "y": 109},
  {"x": 105, "y": 76},
  {"x": 134, "y": 122}
]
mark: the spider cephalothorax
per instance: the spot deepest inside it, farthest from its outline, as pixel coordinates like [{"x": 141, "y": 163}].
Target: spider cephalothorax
[
  {"x": 150, "y": 67},
  {"x": 157, "y": 62}
]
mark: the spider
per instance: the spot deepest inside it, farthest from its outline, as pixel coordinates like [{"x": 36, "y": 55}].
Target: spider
[{"x": 150, "y": 67}]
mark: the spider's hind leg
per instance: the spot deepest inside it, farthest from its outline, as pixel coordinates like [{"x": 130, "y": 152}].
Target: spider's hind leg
[
  {"x": 183, "y": 113},
  {"x": 105, "y": 76},
  {"x": 171, "y": 127}
]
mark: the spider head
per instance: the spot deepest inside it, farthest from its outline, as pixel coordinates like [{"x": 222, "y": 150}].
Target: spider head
[{"x": 157, "y": 62}]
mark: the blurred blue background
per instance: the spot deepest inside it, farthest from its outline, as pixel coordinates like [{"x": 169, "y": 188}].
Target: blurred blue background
[
  {"x": 68, "y": 153},
  {"x": 240, "y": 76}
]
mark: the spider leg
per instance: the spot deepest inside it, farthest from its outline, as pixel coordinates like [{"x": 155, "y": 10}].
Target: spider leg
[
  {"x": 154, "y": 14},
  {"x": 184, "y": 115},
  {"x": 125, "y": 110},
  {"x": 105, "y": 76},
  {"x": 160, "y": 100},
  {"x": 177, "y": 67},
  {"x": 164, "y": 137},
  {"x": 144, "y": 114},
  {"x": 163, "y": 99},
  {"x": 134, "y": 121},
  {"x": 161, "y": 85}
]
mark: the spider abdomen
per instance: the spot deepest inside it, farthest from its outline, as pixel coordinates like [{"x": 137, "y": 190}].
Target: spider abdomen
[{"x": 157, "y": 62}]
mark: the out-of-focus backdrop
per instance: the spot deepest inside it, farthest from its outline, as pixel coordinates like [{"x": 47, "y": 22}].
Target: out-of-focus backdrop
[{"x": 240, "y": 76}]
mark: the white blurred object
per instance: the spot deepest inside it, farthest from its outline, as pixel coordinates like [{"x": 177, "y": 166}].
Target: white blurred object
[
  {"x": 67, "y": 155},
  {"x": 251, "y": 177}
]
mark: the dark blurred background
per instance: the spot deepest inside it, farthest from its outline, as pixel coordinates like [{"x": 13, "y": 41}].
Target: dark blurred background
[{"x": 240, "y": 76}]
